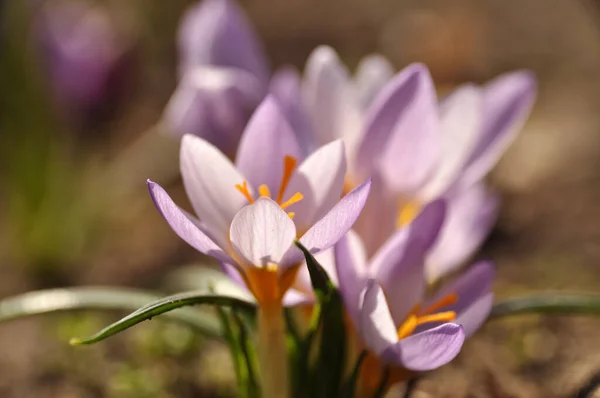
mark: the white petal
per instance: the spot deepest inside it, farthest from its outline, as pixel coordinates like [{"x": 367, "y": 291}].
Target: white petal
[
  {"x": 376, "y": 324},
  {"x": 261, "y": 233},
  {"x": 320, "y": 178},
  {"x": 209, "y": 179},
  {"x": 372, "y": 73}
]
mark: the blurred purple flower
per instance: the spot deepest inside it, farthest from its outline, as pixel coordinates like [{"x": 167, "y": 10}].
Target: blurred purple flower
[
  {"x": 83, "y": 51},
  {"x": 388, "y": 301},
  {"x": 224, "y": 75},
  {"x": 255, "y": 243}
]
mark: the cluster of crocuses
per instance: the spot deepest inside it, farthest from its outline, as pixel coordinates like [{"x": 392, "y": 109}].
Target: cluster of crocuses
[{"x": 372, "y": 173}]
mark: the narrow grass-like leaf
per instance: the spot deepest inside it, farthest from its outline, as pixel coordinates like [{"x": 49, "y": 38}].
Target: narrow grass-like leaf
[
  {"x": 233, "y": 343},
  {"x": 330, "y": 363},
  {"x": 248, "y": 353},
  {"x": 383, "y": 384},
  {"x": 164, "y": 305},
  {"x": 99, "y": 298},
  {"x": 548, "y": 303},
  {"x": 349, "y": 390}
]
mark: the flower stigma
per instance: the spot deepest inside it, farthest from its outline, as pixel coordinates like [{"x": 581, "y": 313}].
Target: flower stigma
[
  {"x": 289, "y": 165},
  {"x": 417, "y": 317}
]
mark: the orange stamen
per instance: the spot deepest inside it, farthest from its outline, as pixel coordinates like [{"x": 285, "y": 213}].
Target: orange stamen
[
  {"x": 297, "y": 197},
  {"x": 407, "y": 327},
  {"x": 291, "y": 214},
  {"x": 289, "y": 164},
  {"x": 446, "y": 301},
  {"x": 243, "y": 188},
  {"x": 407, "y": 213},
  {"x": 263, "y": 190},
  {"x": 446, "y": 316}
]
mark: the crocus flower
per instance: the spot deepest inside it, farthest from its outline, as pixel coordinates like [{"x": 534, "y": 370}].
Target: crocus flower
[
  {"x": 417, "y": 148},
  {"x": 397, "y": 318},
  {"x": 224, "y": 75},
  {"x": 83, "y": 52},
  {"x": 254, "y": 242}
]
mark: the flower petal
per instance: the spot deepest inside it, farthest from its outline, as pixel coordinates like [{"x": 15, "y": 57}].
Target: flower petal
[
  {"x": 376, "y": 222},
  {"x": 376, "y": 324},
  {"x": 213, "y": 103},
  {"x": 399, "y": 265},
  {"x": 209, "y": 179},
  {"x": 216, "y": 32},
  {"x": 184, "y": 225},
  {"x": 470, "y": 217},
  {"x": 461, "y": 121},
  {"x": 285, "y": 87},
  {"x": 372, "y": 74},
  {"x": 329, "y": 230},
  {"x": 402, "y": 132},
  {"x": 351, "y": 270},
  {"x": 429, "y": 349},
  {"x": 261, "y": 233},
  {"x": 267, "y": 139},
  {"x": 320, "y": 179},
  {"x": 329, "y": 98},
  {"x": 471, "y": 318},
  {"x": 507, "y": 102}
]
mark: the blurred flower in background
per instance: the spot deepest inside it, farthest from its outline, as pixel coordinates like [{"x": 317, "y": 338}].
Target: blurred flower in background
[{"x": 84, "y": 54}]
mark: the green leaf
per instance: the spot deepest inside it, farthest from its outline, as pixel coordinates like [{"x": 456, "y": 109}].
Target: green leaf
[
  {"x": 98, "y": 298},
  {"x": 164, "y": 305},
  {"x": 330, "y": 364},
  {"x": 350, "y": 384},
  {"x": 548, "y": 303}
]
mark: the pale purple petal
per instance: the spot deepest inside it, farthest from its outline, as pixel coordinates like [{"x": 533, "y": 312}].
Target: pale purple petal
[
  {"x": 372, "y": 74},
  {"x": 471, "y": 287},
  {"x": 293, "y": 298},
  {"x": 402, "y": 131},
  {"x": 427, "y": 350},
  {"x": 470, "y": 217},
  {"x": 330, "y": 99},
  {"x": 352, "y": 272},
  {"x": 209, "y": 179},
  {"x": 377, "y": 221},
  {"x": 267, "y": 139},
  {"x": 427, "y": 225},
  {"x": 216, "y": 32},
  {"x": 329, "y": 230},
  {"x": 285, "y": 87},
  {"x": 320, "y": 179},
  {"x": 185, "y": 226},
  {"x": 376, "y": 326},
  {"x": 399, "y": 265},
  {"x": 507, "y": 102},
  {"x": 471, "y": 318},
  {"x": 261, "y": 233},
  {"x": 461, "y": 124},
  {"x": 212, "y": 103}
]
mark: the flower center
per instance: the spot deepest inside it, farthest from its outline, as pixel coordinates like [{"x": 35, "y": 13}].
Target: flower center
[
  {"x": 289, "y": 164},
  {"x": 417, "y": 316},
  {"x": 407, "y": 212}
]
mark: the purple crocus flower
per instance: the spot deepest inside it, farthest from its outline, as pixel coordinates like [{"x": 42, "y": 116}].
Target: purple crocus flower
[
  {"x": 83, "y": 51},
  {"x": 251, "y": 212},
  {"x": 417, "y": 148},
  {"x": 388, "y": 301},
  {"x": 224, "y": 75}
]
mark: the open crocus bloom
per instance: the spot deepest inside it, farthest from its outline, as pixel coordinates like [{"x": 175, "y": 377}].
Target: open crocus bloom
[
  {"x": 417, "y": 148},
  {"x": 251, "y": 212},
  {"x": 386, "y": 296}
]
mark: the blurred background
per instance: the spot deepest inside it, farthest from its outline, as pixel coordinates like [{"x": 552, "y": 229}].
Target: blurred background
[{"x": 84, "y": 84}]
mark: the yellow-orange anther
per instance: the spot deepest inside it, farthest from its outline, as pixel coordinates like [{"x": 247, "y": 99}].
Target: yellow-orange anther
[
  {"x": 243, "y": 188},
  {"x": 263, "y": 190},
  {"x": 289, "y": 164},
  {"x": 407, "y": 213},
  {"x": 450, "y": 299},
  {"x": 297, "y": 197},
  {"x": 416, "y": 317}
]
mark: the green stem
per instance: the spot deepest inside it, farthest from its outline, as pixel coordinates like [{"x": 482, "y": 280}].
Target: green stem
[
  {"x": 548, "y": 303},
  {"x": 272, "y": 352}
]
